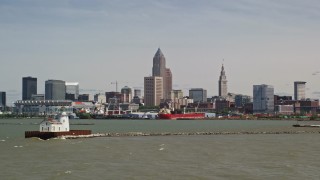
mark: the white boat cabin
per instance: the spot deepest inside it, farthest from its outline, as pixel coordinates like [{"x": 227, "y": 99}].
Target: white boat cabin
[{"x": 59, "y": 123}]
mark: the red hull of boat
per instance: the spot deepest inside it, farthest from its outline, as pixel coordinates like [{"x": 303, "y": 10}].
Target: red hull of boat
[{"x": 182, "y": 116}]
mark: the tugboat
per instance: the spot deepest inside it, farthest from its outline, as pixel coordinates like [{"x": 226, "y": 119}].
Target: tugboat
[{"x": 55, "y": 126}]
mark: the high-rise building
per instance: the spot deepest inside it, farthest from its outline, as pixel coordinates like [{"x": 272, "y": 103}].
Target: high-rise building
[
  {"x": 198, "y": 95},
  {"x": 242, "y": 100},
  {"x": 137, "y": 93},
  {"x": 223, "y": 88},
  {"x": 176, "y": 94},
  {"x": 29, "y": 87},
  {"x": 72, "y": 90},
  {"x": 3, "y": 101},
  {"x": 55, "y": 90},
  {"x": 127, "y": 94},
  {"x": 153, "y": 90},
  {"x": 263, "y": 99},
  {"x": 159, "y": 70},
  {"x": 299, "y": 90}
]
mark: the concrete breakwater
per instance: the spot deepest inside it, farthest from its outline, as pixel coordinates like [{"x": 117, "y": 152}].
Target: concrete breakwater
[{"x": 133, "y": 134}]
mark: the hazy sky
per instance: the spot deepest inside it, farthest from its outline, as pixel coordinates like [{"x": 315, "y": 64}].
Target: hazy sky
[{"x": 96, "y": 42}]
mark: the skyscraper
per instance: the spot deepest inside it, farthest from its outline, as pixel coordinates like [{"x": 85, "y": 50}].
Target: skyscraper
[
  {"x": 299, "y": 90},
  {"x": 263, "y": 99},
  {"x": 159, "y": 70},
  {"x": 223, "y": 88},
  {"x": 29, "y": 87},
  {"x": 153, "y": 90},
  {"x": 3, "y": 101},
  {"x": 72, "y": 90},
  {"x": 55, "y": 90}
]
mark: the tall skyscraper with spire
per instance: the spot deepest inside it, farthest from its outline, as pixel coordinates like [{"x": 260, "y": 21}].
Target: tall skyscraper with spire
[
  {"x": 223, "y": 88},
  {"x": 159, "y": 70}
]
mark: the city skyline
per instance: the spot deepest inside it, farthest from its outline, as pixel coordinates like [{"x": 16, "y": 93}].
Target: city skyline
[{"x": 96, "y": 43}]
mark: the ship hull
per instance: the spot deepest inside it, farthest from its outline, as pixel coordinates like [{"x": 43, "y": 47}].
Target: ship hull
[{"x": 182, "y": 116}]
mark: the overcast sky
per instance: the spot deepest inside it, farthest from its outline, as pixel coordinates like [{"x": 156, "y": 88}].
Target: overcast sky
[{"x": 96, "y": 42}]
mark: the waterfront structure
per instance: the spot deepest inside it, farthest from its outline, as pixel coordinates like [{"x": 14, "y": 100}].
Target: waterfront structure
[
  {"x": 37, "y": 97},
  {"x": 3, "y": 101},
  {"x": 159, "y": 70},
  {"x": 223, "y": 88},
  {"x": 60, "y": 124},
  {"x": 299, "y": 90},
  {"x": 153, "y": 90},
  {"x": 55, "y": 90},
  {"x": 72, "y": 90},
  {"x": 263, "y": 98},
  {"x": 198, "y": 94},
  {"x": 29, "y": 87},
  {"x": 32, "y": 107},
  {"x": 126, "y": 94}
]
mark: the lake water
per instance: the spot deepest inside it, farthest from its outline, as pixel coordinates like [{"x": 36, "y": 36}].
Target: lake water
[{"x": 259, "y": 156}]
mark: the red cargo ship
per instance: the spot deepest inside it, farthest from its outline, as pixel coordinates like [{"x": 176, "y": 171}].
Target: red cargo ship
[{"x": 167, "y": 114}]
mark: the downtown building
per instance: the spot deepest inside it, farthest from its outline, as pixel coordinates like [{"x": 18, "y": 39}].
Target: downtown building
[
  {"x": 3, "y": 101},
  {"x": 72, "y": 91},
  {"x": 223, "y": 88},
  {"x": 198, "y": 95},
  {"x": 159, "y": 70},
  {"x": 153, "y": 90},
  {"x": 263, "y": 99},
  {"x": 55, "y": 90},
  {"x": 29, "y": 87},
  {"x": 299, "y": 90}
]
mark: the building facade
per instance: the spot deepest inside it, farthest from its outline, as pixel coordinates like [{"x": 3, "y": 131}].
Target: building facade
[
  {"x": 72, "y": 90},
  {"x": 127, "y": 94},
  {"x": 137, "y": 93},
  {"x": 263, "y": 99},
  {"x": 241, "y": 100},
  {"x": 153, "y": 90},
  {"x": 55, "y": 90},
  {"x": 3, "y": 101},
  {"x": 29, "y": 87},
  {"x": 299, "y": 90},
  {"x": 100, "y": 98},
  {"x": 223, "y": 88},
  {"x": 198, "y": 95},
  {"x": 159, "y": 70}
]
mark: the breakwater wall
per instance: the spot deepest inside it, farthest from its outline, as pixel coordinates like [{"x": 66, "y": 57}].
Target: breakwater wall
[{"x": 133, "y": 134}]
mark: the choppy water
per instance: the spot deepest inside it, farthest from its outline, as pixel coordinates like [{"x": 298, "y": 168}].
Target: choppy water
[{"x": 283, "y": 156}]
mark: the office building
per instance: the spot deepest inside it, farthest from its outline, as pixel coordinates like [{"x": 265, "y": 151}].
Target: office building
[
  {"x": 263, "y": 99},
  {"x": 29, "y": 87},
  {"x": 137, "y": 93},
  {"x": 223, "y": 88},
  {"x": 127, "y": 94},
  {"x": 198, "y": 95},
  {"x": 159, "y": 70},
  {"x": 241, "y": 100},
  {"x": 153, "y": 90},
  {"x": 100, "y": 98},
  {"x": 55, "y": 90},
  {"x": 176, "y": 94},
  {"x": 72, "y": 90},
  {"x": 3, "y": 101},
  {"x": 299, "y": 90}
]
